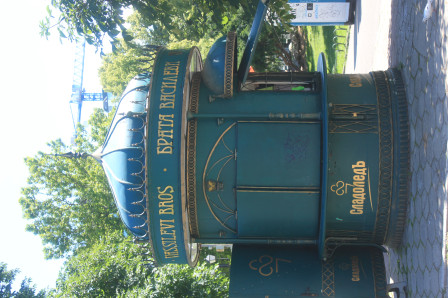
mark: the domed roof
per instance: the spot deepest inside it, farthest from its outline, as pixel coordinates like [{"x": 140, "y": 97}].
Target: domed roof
[
  {"x": 219, "y": 66},
  {"x": 123, "y": 156},
  {"x": 149, "y": 125}
]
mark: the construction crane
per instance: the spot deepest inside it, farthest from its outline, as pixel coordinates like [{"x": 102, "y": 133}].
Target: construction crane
[{"x": 79, "y": 95}]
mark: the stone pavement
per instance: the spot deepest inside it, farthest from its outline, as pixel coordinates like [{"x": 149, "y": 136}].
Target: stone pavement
[{"x": 420, "y": 50}]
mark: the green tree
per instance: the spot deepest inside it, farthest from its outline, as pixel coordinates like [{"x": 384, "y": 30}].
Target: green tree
[
  {"x": 107, "y": 268},
  {"x": 183, "y": 281},
  {"x": 67, "y": 201},
  {"x": 168, "y": 22},
  {"x": 27, "y": 289},
  {"x": 162, "y": 19},
  {"x": 96, "y": 19},
  {"x": 6, "y": 279},
  {"x": 119, "y": 67},
  {"x": 93, "y": 20},
  {"x": 130, "y": 59},
  {"x": 114, "y": 266}
]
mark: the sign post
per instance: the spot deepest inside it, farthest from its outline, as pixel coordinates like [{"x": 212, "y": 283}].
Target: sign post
[{"x": 322, "y": 12}]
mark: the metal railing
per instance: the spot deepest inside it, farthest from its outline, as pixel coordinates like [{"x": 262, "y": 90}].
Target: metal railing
[{"x": 340, "y": 40}]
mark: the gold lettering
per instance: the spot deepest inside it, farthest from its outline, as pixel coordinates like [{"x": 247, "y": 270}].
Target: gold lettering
[
  {"x": 359, "y": 178},
  {"x": 167, "y": 227},
  {"x": 361, "y": 171},
  {"x": 359, "y": 183},
  {"x": 168, "y": 88},
  {"x": 167, "y": 223},
  {"x": 167, "y": 118},
  {"x": 166, "y": 210},
  {"x": 164, "y": 141},
  {"x": 169, "y": 189},
  {"x": 360, "y": 202},
  {"x": 168, "y": 242},
  {"x": 166, "y": 105},
  {"x": 171, "y": 70},
  {"x": 171, "y": 255},
  {"x": 167, "y": 97},
  {"x": 166, "y": 202},
  {"x": 166, "y": 134},
  {"x": 170, "y": 248},
  {"x": 359, "y": 164},
  {"x": 359, "y": 196},
  {"x": 175, "y": 63},
  {"x": 165, "y": 196},
  {"x": 355, "y": 81},
  {"x": 356, "y": 85},
  {"x": 167, "y": 100},
  {"x": 355, "y": 269},
  {"x": 165, "y": 150},
  {"x": 169, "y": 245},
  {"x": 358, "y": 190},
  {"x": 167, "y": 232},
  {"x": 172, "y": 79}
]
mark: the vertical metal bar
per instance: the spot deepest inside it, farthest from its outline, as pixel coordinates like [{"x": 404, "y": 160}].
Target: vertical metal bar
[{"x": 252, "y": 41}]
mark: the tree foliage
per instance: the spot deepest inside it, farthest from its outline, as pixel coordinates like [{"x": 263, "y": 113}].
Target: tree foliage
[
  {"x": 119, "y": 67},
  {"x": 93, "y": 20},
  {"x": 164, "y": 22},
  {"x": 6, "y": 280},
  {"x": 132, "y": 58},
  {"x": 183, "y": 281},
  {"x": 111, "y": 266},
  {"x": 26, "y": 290},
  {"x": 97, "y": 20},
  {"x": 67, "y": 201},
  {"x": 115, "y": 267},
  {"x": 69, "y": 206}
]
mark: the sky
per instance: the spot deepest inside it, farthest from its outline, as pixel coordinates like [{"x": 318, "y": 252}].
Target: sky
[{"x": 35, "y": 79}]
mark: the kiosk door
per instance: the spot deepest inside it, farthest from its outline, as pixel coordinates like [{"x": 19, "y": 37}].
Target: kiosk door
[{"x": 278, "y": 179}]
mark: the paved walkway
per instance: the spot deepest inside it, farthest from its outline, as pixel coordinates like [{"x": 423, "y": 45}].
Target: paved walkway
[{"x": 390, "y": 33}]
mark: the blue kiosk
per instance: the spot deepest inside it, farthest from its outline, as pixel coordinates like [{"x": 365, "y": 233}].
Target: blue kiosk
[{"x": 306, "y": 174}]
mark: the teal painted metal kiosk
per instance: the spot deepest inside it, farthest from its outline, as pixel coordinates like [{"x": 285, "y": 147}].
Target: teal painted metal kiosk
[
  {"x": 296, "y": 271},
  {"x": 303, "y": 163}
]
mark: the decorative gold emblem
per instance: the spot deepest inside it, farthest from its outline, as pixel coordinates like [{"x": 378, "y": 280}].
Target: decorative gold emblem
[{"x": 213, "y": 185}]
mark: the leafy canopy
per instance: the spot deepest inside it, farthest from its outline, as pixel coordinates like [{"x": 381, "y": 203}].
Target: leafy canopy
[
  {"x": 115, "y": 267},
  {"x": 112, "y": 265},
  {"x": 67, "y": 201},
  {"x": 161, "y": 21},
  {"x": 71, "y": 209},
  {"x": 27, "y": 289}
]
